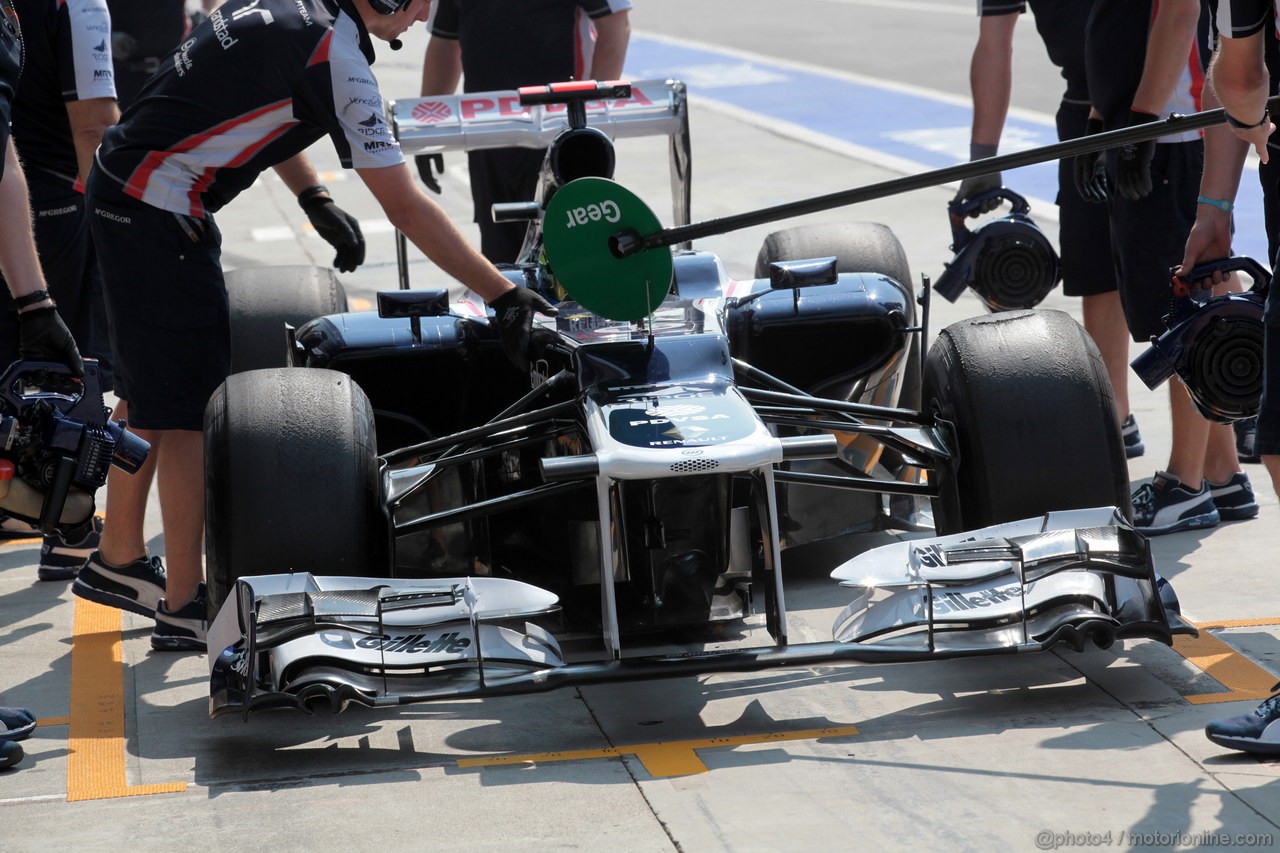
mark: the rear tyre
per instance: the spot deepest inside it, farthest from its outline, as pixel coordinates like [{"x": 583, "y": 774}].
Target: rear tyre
[
  {"x": 857, "y": 247},
  {"x": 263, "y": 299},
  {"x": 291, "y": 479},
  {"x": 1028, "y": 403}
]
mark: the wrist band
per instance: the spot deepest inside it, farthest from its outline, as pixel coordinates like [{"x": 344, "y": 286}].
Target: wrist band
[
  {"x": 1239, "y": 125},
  {"x": 32, "y": 298},
  {"x": 311, "y": 192},
  {"x": 1223, "y": 204}
]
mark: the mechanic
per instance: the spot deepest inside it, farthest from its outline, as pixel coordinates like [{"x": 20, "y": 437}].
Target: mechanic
[
  {"x": 1241, "y": 83},
  {"x": 494, "y": 45},
  {"x": 1084, "y": 233},
  {"x": 41, "y": 331},
  {"x": 251, "y": 88},
  {"x": 1144, "y": 60},
  {"x": 63, "y": 103}
]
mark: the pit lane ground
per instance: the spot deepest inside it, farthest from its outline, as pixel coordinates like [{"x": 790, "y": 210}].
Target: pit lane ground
[{"x": 1062, "y": 749}]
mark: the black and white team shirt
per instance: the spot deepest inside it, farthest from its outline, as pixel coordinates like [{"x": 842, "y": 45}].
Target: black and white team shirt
[
  {"x": 10, "y": 70},
  {"x": 255, "y": 84},
  {"x": 548, "y": 41},
  {"x": 1242, "y": 18},
  {"x": 67, "y": 58}
]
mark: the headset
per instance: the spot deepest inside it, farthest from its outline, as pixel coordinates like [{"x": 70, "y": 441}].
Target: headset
[{"x": 1008, "y": 262}]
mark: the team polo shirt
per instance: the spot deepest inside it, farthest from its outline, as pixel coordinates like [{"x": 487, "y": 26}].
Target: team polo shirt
[
  {"x": 548, "y": 41},
  {"x": 252, "y": 86},
  {"x": 1116, "y": 49},
  {"x": 1241, "y": 18},
  {"x": 68, "y": 58}
]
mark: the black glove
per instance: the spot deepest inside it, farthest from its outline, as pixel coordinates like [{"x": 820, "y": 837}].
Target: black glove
[
  {"x": 971, "y": 187},
  {"x": 339, "y": 228},
  {"x": 1090, "y": 169},
  {"x": 44, "y": 336},
  {"x": 424, "y": 162},
  {"x": 1133, "y": 162},
  {"x": 515, "y": 310}
]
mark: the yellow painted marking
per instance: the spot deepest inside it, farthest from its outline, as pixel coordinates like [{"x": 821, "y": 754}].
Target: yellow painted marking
[
  {"x": 1236, "y": 623},
  {"x": 1241, "y": 676},
  {"x": 673, "y": 758},
  {"x": 95, "y": 764},
  {"x": 43, "y": 722}
]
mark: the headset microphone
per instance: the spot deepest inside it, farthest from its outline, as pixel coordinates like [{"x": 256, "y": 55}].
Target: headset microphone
[{"x": 396, "y": 44}]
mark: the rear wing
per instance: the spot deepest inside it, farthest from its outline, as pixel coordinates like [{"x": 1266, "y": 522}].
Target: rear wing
[{"x": 476, "y": 121}]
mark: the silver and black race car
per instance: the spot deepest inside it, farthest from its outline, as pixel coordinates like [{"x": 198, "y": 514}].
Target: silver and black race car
[{"x": 396, "y": 514}]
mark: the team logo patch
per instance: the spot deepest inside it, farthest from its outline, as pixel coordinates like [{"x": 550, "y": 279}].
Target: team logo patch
[{"x": 431, "y": 111}]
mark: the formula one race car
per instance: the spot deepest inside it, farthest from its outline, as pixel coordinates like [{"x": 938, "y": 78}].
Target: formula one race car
[{"x": 398, "y": 515}]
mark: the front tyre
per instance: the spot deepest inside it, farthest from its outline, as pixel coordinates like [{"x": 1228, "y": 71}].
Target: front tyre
[
  {"x": 1026, "y": 399},
  {"x": 291, "y": 479}
]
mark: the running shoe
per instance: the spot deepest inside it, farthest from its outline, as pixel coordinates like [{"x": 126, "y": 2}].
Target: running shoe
[
  {"x": 1133, "y": 445},
  {"x": 1234, "y": 498},
  {"x": 137, "y": 587},
  {"x": 1254, "y": 731},
  {"x": 182, "y": 630},
  {"x": 1166, "y": 505},
  {"x": 62, "y": 555}
]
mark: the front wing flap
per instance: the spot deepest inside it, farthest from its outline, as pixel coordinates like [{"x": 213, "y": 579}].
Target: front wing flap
[{"x": 304, "y": 642}]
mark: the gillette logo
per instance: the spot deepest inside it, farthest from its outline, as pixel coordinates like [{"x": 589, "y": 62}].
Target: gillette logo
[
  {"x": 417, "y": 644},
  {"x": 954, "y": 602}
]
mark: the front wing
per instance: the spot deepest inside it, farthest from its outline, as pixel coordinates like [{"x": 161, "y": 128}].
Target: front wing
[{"x": 310, "y": 643}]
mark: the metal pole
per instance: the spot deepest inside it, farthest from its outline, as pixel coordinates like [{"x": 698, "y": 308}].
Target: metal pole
[{"x": 630, "y": 242}]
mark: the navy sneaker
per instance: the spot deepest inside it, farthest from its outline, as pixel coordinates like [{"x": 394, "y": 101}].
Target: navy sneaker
[
  {"x": 1246, "y": 438},
  {"x": 182, "y": 630},
  {"x": 10, "y": 753},
  {"x": 1133, "y": 445},
  {"x": 62, "y": 555},
  {"x": 15, "y": 528},
  {"x": 1255, "y": 731},
  {"x": 1165, "y": 505},
  {"x": 137, "y": 587},
  {"x": 17, "y": 723},
  {"x": 1234, "y": 498}
]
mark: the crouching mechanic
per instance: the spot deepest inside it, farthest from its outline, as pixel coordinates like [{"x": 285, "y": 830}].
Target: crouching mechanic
[{"x": 250, "y": 88}]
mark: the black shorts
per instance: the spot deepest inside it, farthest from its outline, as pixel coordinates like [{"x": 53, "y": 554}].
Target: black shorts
[
  {"x": 166, "y": 306},
  {"x": 1149, "y": 236},
  {"x": 1084, "y": 228}
]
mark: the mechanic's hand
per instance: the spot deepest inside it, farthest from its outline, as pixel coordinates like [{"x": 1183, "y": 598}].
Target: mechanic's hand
[
  {"x": 424, "y": 162},
  {"x": 1210, "y": 238},
  {"x": 44, "y": 336},
  {"x": 515, "y": 310},
  {"x": 1090, "y": 169},
  {"x": 339, "y": 228},
  {"x": 1133, "y": 162},
  {"x": 971, "y": 187}
]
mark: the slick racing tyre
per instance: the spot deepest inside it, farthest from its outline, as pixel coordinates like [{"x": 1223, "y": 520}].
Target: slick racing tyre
[
  {"x": 263, "y": 299},
  {"x": 857, "y": 247},
  {"x": 1026, "y": 408},
  {"x": 291, "y": 479}
]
